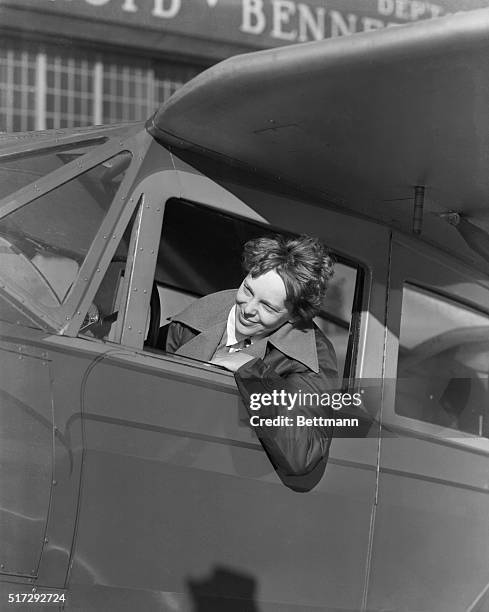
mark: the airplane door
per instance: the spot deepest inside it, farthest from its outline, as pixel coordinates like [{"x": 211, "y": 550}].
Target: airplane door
[
  {"x": 431, "y": 541},
  {"x": 180, "y": 506},
  {"x": 179, "y": 498}
]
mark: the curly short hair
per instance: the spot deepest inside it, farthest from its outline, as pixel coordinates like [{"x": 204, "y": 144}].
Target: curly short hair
[{"x": 303, "y": 263}]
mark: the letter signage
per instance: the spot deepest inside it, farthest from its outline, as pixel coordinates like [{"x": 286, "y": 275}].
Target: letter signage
[{"x": 253, "y": 23}]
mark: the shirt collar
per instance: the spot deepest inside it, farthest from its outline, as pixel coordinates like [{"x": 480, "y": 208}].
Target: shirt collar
[{"x": 231, "y": 327}]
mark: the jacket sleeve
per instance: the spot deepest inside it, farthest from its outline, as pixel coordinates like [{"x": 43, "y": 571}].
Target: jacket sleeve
[
  {"x": 174, "y": 335},
  {"x": 294, "y": 449}
]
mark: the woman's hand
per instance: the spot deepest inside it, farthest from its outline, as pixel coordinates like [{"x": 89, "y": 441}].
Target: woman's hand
[{"x": 232, "y": 361}]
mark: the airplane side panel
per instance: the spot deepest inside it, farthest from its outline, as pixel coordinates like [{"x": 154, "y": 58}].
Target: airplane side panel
[
  {"x": 178, "y": 498},
  {"x": 26, "y": 457},
  {"x": 69, "y": 368},
  {"x": 431, "y": 547},
  {"x": 431, "y": 540},
  {"x": 40, "y": 457}
]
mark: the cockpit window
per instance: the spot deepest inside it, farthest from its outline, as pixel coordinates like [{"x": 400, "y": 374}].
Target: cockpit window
[
  {"x": 443, "y": 365},
  {"x": 44, "y": 243},
  {"x": 19, "y": 171},
  {"x": 192, "y": 263}
]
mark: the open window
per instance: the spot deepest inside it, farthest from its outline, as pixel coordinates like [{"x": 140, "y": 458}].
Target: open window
[{"x": 200, "y": 253}]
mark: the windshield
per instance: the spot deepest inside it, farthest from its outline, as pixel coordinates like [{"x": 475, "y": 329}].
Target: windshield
[
  {"x": 17, "y": 171},
  {"x": 44, "y": 243}
]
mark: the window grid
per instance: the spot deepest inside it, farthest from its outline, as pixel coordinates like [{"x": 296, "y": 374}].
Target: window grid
[
  {"x": 69, "y": 92},
  {"x": 17, "y": 90},
  {"x": 126, "y": 93},
  {"x": 80, "y": 88}
]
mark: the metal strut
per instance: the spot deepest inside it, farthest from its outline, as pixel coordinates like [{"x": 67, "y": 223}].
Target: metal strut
[{"x": 418, "y": 209}]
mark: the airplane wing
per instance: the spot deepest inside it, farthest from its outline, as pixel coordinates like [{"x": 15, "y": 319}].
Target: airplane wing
[{"x": 360, "y": 120}]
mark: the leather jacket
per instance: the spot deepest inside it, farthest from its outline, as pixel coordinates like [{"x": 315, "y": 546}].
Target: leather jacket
[{"x": 293, "y": 359}]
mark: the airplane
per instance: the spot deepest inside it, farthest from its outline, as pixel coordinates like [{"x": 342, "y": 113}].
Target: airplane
[{"x": 130, "y": 477}]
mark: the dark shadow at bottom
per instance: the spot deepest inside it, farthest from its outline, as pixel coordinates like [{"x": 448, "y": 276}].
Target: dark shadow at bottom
[{"x": 224, "y": 590}]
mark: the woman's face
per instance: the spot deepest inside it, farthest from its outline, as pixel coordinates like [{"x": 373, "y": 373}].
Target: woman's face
[{"x": 261, "y": 305}]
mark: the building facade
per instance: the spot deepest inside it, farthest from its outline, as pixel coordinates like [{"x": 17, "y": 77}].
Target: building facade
[{"x": 69, "y": 63}]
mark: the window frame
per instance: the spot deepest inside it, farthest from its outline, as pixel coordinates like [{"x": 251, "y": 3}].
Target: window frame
[
  {"x": 68, "y": 316},
  {"x": 359, "y": 298},
  {"x": 439, "y": 274}
]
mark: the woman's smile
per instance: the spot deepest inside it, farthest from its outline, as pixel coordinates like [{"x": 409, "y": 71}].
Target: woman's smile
[{"x": 261, "y": 304}]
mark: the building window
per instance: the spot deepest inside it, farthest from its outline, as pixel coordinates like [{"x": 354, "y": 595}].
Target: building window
[
  {"x": 127, "y": 92},
  {"x": 45, "y": 86},
  {"x": 69, "y": 91},
  {"x": 17, "y": 89}
]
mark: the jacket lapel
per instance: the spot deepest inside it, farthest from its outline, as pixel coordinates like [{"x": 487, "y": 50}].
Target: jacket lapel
[
  {"x": 297, "y": 343},
  {"x": 208, "y": 317},
  {"x": 203, "y": 345}
]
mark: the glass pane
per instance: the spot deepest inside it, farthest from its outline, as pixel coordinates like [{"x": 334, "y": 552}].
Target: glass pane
[
  {"x": 104, "y": 316},
  {"x": 335, "y": 317},
  {"x": 45, "y": 242},
  {"x": 20, "y": 170},
  {"x": 443, "y": 363}
]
